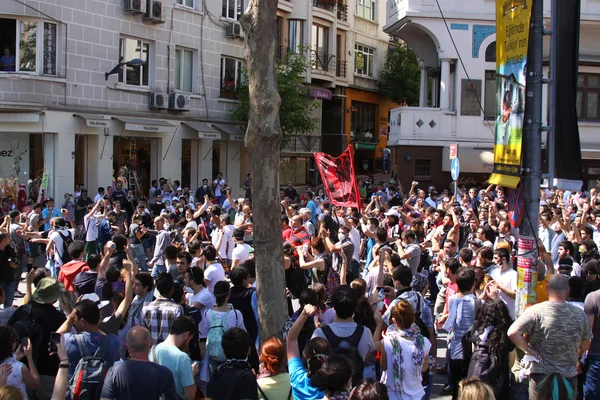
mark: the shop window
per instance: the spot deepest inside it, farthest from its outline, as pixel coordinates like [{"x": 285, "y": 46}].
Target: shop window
[
  {"x": 296, "y": 35},
  {"x": 184, "y": 70},
  {"x": 363, "y": 60},
  {"x": 130, "y": 49},
  {"x": 490, "y": 53},
  {"x": 362, "y": 128},
  {"x": 588, "y": 96},
  {"x": 28, "y": 46},
  {"x": 231, "y": 77},
  {"x": 422, "y": 168},
  {"x": 489, "y": 105},
  {"x": 233, "y": 9},
  {"x": 366, "y": 9},
  {"x": 293, "y": 169}
]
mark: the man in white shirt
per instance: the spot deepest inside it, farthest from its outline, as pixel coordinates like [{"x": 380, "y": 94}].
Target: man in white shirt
[
  {"x": 214, "y": 271},
  {"x": 241, "y": 252},
  {"x": 220, "y": 237},
  {"x": 90, "y": 223},
  {"x": 504, "y": 280},
  {"x": 100, "y": 195},
  {"x": 56, "y": 241},
  {"x": 218, "y": 184},
  {"x": 201, "y": 298}
]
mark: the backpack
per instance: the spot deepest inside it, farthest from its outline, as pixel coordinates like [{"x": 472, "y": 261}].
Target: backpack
[
  {"x": 67, "y": 240},
  {"x": 350, "y": 352},
  {"x": 27, "y": 327},
  {"x": 88, "y": 378},
  {"x": 298, "y": 279},
  {"x": 218, "y": 327},
  {"x": 486, "y": 364},
  {"x": 418, "y": 321}
]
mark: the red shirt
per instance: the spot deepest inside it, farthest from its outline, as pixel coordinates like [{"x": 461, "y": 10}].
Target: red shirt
[
  {"x": 286, "y": 233},
  {"x": 451, "y": 291}
]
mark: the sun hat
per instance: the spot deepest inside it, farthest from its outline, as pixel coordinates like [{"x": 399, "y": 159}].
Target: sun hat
[{"x": 48, "y": 290}]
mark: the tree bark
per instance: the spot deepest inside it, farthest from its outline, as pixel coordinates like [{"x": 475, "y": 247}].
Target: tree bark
[{"x": 263, "y": 138}]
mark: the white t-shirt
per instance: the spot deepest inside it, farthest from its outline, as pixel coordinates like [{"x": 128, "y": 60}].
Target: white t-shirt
[
  {"x": 58, "y": 244},
  {"x": 355, "y": 239},
  {"x": 203, "y": 297},
  {"x": 191, "y": 224},
  {"x": 218, "y": 186},
  {"x": 241, "y": 252},
  {"x": 509, "y": 279},
  {"x": 411, "y": 382},
  {"x": 228, "y": 229},
  {"x": 92, "y": 229},
  {"x": 345, "y": 330},
  {"x": 214, "y": 238},
  {"x": 214, "y": 273},
  {"x": 235, "y": 319}
]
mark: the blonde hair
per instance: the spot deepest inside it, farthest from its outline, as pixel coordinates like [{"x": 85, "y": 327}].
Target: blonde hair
[
  {"x": 474, "y": 389},
  {"x": 11, "y": 393}
]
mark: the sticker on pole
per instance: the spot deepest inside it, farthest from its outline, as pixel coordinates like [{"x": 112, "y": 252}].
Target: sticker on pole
[
  {"x": 455, "y": 169},
  {"x": 516, "y": 206}
]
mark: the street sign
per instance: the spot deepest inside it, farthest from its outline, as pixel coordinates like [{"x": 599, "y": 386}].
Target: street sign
[
  {"x": 453, "y": 150},
  {"x": 455, "y": 169}
]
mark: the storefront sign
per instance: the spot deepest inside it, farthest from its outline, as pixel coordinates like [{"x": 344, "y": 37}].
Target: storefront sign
[
  {"x": 453, "y": 150},
  {"x": 211, "y": 135},
  {"x": 149, "y": 128},
  {"x": 97, "y": 123},
  {"x": 365, "y": 146},
  {"x": 323, "y": 94},
  {"x": 236, "y": 138}
]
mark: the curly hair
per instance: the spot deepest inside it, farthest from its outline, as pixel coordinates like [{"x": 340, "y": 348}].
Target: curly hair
[
  {"x": 272, "y": 355},
  {"x": 494, "y": 313},
  {"x": 8, "y": 337}
]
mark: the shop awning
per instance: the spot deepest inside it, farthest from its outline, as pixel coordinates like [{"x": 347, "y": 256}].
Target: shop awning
[
  {"x": 94, "y": 121},
  {"x": 146, "y": 125},
  {"x": 20, "y": 117},
  {"x": 205, "y": 131},
  {"x": 235, "y": 132}
]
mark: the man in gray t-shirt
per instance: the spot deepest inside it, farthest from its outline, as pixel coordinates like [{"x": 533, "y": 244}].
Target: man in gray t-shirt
[
  {"x": 559, "y": 334},
  {"x": 591, "y": 388}
]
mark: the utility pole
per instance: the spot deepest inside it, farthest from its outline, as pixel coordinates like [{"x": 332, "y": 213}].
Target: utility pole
[{"x": 532, "y": 160}]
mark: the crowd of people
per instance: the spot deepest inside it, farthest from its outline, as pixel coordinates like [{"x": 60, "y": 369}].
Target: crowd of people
[{"x": 155, "y": 297}]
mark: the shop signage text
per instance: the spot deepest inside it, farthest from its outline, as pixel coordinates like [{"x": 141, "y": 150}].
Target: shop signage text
[
  {"x": 97, "y": 123},
  {"x": 205, "y": 135},
  {"x": 323, "y": 94},
  {"x": 149, "y": 128},
  {"x": 6, "y": 153}
]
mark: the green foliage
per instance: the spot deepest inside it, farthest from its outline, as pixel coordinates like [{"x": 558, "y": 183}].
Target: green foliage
[
  {"x": 295, "y": 114},
  {"x": 400, "y": 78}
]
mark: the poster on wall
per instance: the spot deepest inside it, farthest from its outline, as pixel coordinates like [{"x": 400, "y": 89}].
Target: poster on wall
[{"x": 512, "y": 38}]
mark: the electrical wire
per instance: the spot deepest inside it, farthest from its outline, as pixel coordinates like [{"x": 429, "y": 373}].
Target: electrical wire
[{"x": 477, "y": 95}]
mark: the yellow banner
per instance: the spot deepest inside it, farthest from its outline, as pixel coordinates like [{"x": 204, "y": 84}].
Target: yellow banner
[{"x": 512, "y": 38}]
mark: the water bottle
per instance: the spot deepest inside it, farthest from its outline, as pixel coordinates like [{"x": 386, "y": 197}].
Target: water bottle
[{"x": 431, "y": 364}]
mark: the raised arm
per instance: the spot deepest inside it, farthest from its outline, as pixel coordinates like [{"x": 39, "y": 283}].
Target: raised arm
[
  {"x": 293, "y": 350},
  {"x": 124, "y": 306},
  {"x": 108, "y": 252}
]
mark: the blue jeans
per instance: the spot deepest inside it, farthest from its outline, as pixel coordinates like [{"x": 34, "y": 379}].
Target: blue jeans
[
  {"x": 140, "y": 256},
  {"x": 591, "y": 387},
  {"x": 157, "y": 269},
  {"x": 9, "y": 293}
]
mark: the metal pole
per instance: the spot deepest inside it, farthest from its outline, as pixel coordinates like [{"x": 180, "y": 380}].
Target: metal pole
[
  {"x": 551, "y": 138},
  {"x": 532, "y": 160}
]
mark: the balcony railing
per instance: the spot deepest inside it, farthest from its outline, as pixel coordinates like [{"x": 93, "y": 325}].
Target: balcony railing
[
  {"x": 340, "y": 68},
  {"x": 328, "y": 5},
  {"x": 322, "y": 60},
  {"x": 342, "y": 11}
]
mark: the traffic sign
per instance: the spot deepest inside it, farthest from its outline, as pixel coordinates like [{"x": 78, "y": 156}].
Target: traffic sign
[
  {"x": 453, "y": 150},
  {"x": 455, "y": 169}
]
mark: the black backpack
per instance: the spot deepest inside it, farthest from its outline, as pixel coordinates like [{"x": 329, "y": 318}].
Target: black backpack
[
  {"x": 298, "y": 279},
  {"x": 486, "y": 364},
  {"x": 350, "y": 352},
  {"x": 67, "y": 240},
  {"x": 419, "y": 321},
  {"x": 27, "y": 327}
]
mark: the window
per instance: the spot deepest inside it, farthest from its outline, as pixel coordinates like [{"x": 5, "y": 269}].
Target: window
[
  {"x": 490, "y": 53},
  {"x": 184, "y": 70},
  {"x": 588, "y": 96},
  {"x": 233, "y": 9},
  {"x": 28, "y": 46},
  {"x": 320, "y": 47},
  {"x": 422, "y": 168},
  {"x": 362, "y": 128},
  {"x": 231, "y": 77},
  {"x": 366, "y": 9},
  {"x": 363, "y": 60},
  {"x": 187, "y": 3},
  {"x": 296, "y": 35},
  {"x": 130, "y": 49},
  {"x": 489, "y": 105}
]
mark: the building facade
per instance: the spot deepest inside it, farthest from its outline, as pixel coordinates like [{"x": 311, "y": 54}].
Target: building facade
[{"x": 458, "y": 102}]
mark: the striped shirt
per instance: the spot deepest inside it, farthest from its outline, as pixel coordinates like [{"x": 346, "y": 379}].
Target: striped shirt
[{"x": 158, "y": 316}]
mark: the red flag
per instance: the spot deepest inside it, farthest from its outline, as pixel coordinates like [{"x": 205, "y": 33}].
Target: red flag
[{"x": 339, "y": 179}]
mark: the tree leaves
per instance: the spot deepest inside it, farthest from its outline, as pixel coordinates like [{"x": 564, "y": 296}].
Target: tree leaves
[{"x": 400, "y": 78}]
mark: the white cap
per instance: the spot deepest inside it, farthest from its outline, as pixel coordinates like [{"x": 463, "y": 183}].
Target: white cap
[
  {"x": 392, "y": 211},
  {"x": 94, "y": 297}
]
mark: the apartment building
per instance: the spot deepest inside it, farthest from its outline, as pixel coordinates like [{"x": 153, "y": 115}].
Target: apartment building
[
  {"x": 91, "y": 89},
  {"x": 457, "y": 100}
]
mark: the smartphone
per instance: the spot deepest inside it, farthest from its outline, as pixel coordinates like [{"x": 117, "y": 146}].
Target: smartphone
[
  {"x": 54, "y": 339},
  {"x": 24, "y": 342}
]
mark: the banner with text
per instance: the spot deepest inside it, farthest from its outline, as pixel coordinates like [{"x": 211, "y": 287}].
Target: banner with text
[
  {"x": 512, "y": 38},
  {"x": 339, "y": 178}
]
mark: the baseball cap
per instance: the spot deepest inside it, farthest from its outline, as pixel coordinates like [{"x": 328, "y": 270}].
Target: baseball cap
[
  {"x": 392, "y": 211},
  {"x": 94, "y": 297}
]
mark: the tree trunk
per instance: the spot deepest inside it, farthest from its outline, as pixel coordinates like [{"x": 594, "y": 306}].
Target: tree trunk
[{"x": 263, "y": 138}]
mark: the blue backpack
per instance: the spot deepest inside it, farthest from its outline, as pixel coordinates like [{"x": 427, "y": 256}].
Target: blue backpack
[{"x": 218, "y": 326}]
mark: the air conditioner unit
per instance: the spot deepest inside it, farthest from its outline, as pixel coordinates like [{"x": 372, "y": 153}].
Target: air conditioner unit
[
  {"x": 134, "y": 6},
  {"x": 159, "y": 100},
  {"x": 155, "y": 12},
  {"x": 179, "y": 101},
  {"x": 234, "y": 29}
]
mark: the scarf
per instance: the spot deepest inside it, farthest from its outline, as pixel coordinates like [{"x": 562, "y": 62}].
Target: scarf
[{"x": 411, "y": 335}]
